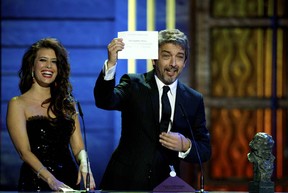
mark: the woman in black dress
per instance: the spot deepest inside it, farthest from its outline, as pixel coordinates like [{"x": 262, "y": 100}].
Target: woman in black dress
[{"x": 43, "y": 123}]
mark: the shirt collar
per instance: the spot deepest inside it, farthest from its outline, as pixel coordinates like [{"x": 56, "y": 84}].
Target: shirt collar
[{"x": 172, "y": 86}]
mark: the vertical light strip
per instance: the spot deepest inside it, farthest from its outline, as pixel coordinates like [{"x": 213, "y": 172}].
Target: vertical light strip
[
  {"x": 150, "y": 25},
  {"x": 150, "y": 15},
  {"x": 280, "y": 112},
  {"x": 131, "y": 27},
  {"x": 170, "y": 14},
  {"x": 280, "y": 93}
]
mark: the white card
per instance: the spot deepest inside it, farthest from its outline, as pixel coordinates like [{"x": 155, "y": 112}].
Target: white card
[{"x": 139, "y": 45}]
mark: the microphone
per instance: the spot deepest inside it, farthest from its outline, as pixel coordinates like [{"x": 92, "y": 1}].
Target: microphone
[
  {"x": 196, "y": 149},
  {"x": 85, "y": 143},
  {"x": 80, "y": 110}
]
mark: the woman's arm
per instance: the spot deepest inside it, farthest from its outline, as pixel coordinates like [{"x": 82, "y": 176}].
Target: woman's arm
[
  {"x": 81, "y": 155},
  {"x": 16, "y": 124}
]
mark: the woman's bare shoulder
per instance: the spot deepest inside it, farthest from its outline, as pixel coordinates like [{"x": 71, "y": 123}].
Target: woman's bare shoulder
[
  {"x": 16, "y": 99},
  {"x": 17, "y": 102}
]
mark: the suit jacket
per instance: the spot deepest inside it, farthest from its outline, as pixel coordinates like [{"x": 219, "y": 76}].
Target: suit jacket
[{"x": 140, "y": 162}]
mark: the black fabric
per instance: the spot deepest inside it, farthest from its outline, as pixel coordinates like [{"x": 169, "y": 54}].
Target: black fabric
[
  {"x": 166, "y": 110},
  {"x": 49, "y": 141}
]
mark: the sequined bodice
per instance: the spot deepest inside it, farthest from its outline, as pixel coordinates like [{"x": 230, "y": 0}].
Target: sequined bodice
[{"x": 49, "y": 139}]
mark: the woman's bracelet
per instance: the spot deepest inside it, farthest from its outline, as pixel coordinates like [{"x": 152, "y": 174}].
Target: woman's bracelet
[
  {"x": 38, "y": 173},
  {"x": 82, "y": 156}
]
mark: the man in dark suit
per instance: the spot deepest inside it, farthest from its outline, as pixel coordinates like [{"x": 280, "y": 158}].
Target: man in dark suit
[{"x": 147, "y": 148}]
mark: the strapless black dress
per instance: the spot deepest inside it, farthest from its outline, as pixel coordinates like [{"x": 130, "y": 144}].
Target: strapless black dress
[{"x": 49, "y": 141}]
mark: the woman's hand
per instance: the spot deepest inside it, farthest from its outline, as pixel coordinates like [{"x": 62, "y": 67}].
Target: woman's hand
[
  {"x": 55, "y": 184},
  {"x": 84, "y": 168},
  {"x": 84, "y": 175}
]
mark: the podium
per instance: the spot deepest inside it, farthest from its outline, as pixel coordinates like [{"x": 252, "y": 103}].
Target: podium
[{"x": 173, "y": 184}]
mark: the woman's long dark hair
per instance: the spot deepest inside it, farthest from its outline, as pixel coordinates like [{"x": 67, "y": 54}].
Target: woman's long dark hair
[{"x": 61, "y": 102}]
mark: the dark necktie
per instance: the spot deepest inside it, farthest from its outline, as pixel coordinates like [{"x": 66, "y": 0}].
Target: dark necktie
[{"x": 166, "y": 110}]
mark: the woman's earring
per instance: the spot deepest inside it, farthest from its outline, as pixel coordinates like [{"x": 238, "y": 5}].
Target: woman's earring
[{"x": 32, "y": 74}]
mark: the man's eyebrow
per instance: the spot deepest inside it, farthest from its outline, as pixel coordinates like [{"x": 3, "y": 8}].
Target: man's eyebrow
[{"x": 165, "y": 51}]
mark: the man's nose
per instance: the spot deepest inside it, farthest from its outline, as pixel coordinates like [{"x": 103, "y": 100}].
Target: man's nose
[{"x": 173, "y": 61}]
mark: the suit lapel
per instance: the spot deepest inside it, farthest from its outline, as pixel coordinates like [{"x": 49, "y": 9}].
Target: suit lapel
[
  {"x": 154, "y": 94},
  {"x": 180, "y": 98}
]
